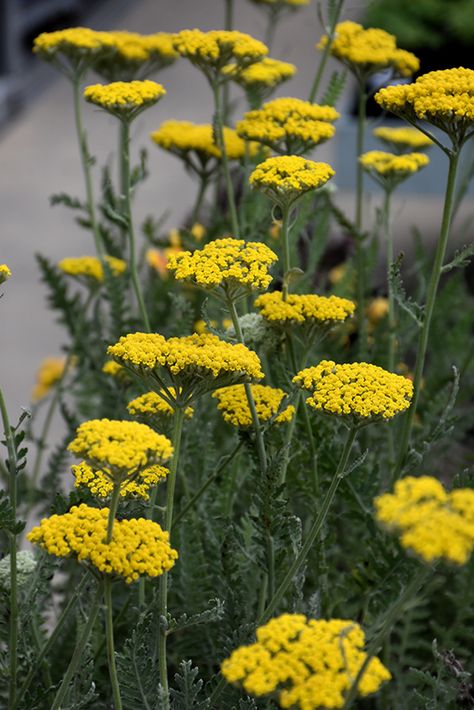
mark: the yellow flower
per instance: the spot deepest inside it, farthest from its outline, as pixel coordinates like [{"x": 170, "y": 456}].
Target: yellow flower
[
  {"x": 431, "y": 522},
  {"x": 5, "y": 273},
  {"x": 337, "y": 273},
  {"x": 309, "y": 663},
  {"x": 198, "y": 231},
  {"x": 300, "y": 309},
  {"x": 234, "y": 266},
  {"x": 125, "y": 99},
  {"x": 287, "y": 177},
  {"x": 235, "y": 410},
  {"x": 368, "y": 51},
  {"x": 389, "y": 169},
  {"x": 157, "y": 259},
  {"x": 89, "y": 267},
  {"x": 138, "y": 547},
  {"x": 115, "y": 370},
  {"x": 151, "y": 405},
  {"x": 262, "y": 76},
  {"x": 289, "y": 125},
  {"x": 201, "y": 326},
  {"x": 51, "y": 371},
  {"x": 134, "y": 56},
  {"x": 376, "y": 310},
  {"x": 74, "y": 49},
  {"x": 359, "y": 391},
  {"x": 101, "y": 484},
  {"x": 402, "y": 138},
  {"x": 214, "y": 50}
]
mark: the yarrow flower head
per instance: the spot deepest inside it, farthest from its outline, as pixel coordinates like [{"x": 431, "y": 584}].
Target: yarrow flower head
[
  {"x": 388, "y": 169},
  {"x": 431, "y": 522},
  {"x": 49, "y": 373},
  {"x": 193, "y": 364},
  {"x": 152, "y": 406},
  {"x": 287, "y": 177},
  {"x": 288, "y": 125},
  {"x": 443, "y": 98},
  {"x": 233, "y": 266},
  {"x": 138, "y": 547},
  {"x": 358, "y": 391},
  {"x": 134, "y": 56},
  {"x": 309, "y": 663},
  {"x": 5, "y": 273},
  {"x": 402, "y": 140},
  {"x": 304, "y": 309},
  {"x": 366, "y": 51},
  {"x": 260, "y": 79},
  {"x": 90, "y": 268},
  {"x": 101, "y": 483},
  {"x": 73, "y": 50},
  {"x": 269, "y": 403},
  {"x": 125, "y": 99}
]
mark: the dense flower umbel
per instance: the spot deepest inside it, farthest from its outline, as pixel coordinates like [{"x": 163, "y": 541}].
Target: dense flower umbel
[
  {"x": 262, "y": 76},
  {"x": 134, "y": 56},
  {"x": 214, "y": 50},
  {"x": 236, "y": 266},
  {"x": 5, "y": 273},
  {"x": 49, "y": 373},
  {"x": 444, "y": 98},
  {"x": 90, "y": 267},
  {"x": 73, "y": 49},
  {"x": 431, "y": 522},
  {"x": 402, "y": 139},
  {"x": 389, "y": 169},
  {"x": 287, "y": 177},
  {"x": 125, "y": 99},
  {"x": 101, "y": 484},
  {"x": 151, "y": 406},
  {"x": 122, "y": 446},
  {"x": 310, "y": 663},
  {"x": 307, "y": 308},
  {"x": 138, "y": 547},
  {"x": 357, "y": 390},
  {"x": 368, "y": 51},
  {"x": 235, "y": 410},
  {"x": 184, "y": 137},
  {"x": 289, "y": 125}
]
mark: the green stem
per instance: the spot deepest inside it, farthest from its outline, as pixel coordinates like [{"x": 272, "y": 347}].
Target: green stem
[
  {"x": 13, "y": 471},
  {"x": 109, "y": 631},
  {"x": 114, "y": 501},
  {"x": 219, "y": 137},
  {"x": 78, "y": 651},
  {"x": 228, "y": 25},
  {"x": 163, "y": 590},
  {"x": 429, "y": 308},
  {"x": 285, "y": 233},
  {"x": 391, "y": 616},
  {"x": 360, "y": 253},
  {"x": 204, "y": 181},
  {"x": 392, "y": 338},
  {"x": 326, "y": 52},
  {"x": 125, "y": 138}
]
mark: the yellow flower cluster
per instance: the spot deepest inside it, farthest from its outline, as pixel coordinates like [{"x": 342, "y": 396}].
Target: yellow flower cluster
[
  {"x": 307, "y": 308},
  {"x": 50, "y": 371},
  {"x": 228, "y": 263},
  {"x": 5, "y": 273},
  {"x": 444, "y": 98},
  {"x": 122, "y": 446},
  {"x": 91, "y": 267},
  {"x": 201, "y": 326},
  {"x": 267, "y": 73},
  {"x": 310, "y": 663},
  {"x": 151, "y": 404},
  {"x": 369, "y": 51},
  {"x": 357, "y": 390},
  {"x": 235, "y": 410},
  {"x": 138, "y": 547},
  {"x": 200, "y": 356},
  {"x": 183, "y": 137},
  {"x": 403, "y": 137},
  {"x": 286, "y": 177},
  {"x": 101, "y": 484},
  {"x": 289, "y": 125},
  {"x": 431, "y": 522},
  {"x": 72, "y": 41},
  {"x": 281, "y": 4},
  {"x": 389, "y": 165},
  {"x": 112, "y": 368},
  {"x": 218, "y": 48},
  {"x": 134, "y": 54},
  {"x": 124, "y": 97}
]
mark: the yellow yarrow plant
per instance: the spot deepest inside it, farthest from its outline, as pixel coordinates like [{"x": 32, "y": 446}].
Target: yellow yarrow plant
[
  {"x": 153, "y": 407},
  {"x": 304, "y": 309},
  {"x": 125, "y": 99},
  {"x": 286, "y": 178},
  {"x": 73, "y": 50},
  {"x": 101, "y": 483},
  {"x": 431, "y": 522},
  {"x": 261, "y": 78},
  {"x": 90, "y": 267},
  {"x": 49, "y": 373},
  {"x": 134, "y": 56},
  {"x": 402, "y": 140},
  {"x": 5, "y": 273},
  {"x": 270, "y": 403},
  {"x": 389, "y": 169}
]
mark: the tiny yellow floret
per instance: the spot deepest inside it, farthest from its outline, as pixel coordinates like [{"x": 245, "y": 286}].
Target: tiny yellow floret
[
  {"x": 235, "y": 409},
  {"x": 151, "y": 405}
]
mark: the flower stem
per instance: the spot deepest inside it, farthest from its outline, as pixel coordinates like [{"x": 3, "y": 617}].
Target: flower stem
[
  {"x": 109, "y": 631},
  {"x": 429, "y": 308},
  {"x": 220, "y": 143},
  {"x": 125, "y": 158},
  {"x": 285, "y": 233},
  {"x": 326, "y": 52},
  {"x": 204, "y": 181},
  {"x": 114, "y": 501},
  {"x": 78, "y": 651},
  {"x": 392, "y": 339},
  {"x": 360, "y": 252}
]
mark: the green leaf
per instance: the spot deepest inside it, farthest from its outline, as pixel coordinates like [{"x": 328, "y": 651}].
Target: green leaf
[
  {"x": 460, "y": 259},
  {"x": 413, "y": 309},
  {"x": 187, "y": 691},
  {"x": 8, "y": 521},
  {"x": 334, "y": 89}
]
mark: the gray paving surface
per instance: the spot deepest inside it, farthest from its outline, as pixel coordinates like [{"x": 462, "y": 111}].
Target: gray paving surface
[{"x": 38, "y": 156}]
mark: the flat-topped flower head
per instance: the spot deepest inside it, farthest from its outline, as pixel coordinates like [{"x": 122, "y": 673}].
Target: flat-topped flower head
[
  {"x": 101, "y": 483},
  {"x": 389, "y": 169},
  {"x": 284, "y": 3},
  {"x": 135, "y": 56},
  {"x": 120, "y": 448},
  {"x": 366, "y": 51},
  {"x": 356, "y": 391},
  {"x": 233, "y": 266},
  {"x": 5, "y": 273},
  {"x": 269, "y": 403},
  {"x": 193, "y": 364},
  {"x": 152, "y": 407},
  {"x": 402, "y": 140},
  {"x": 308, "y": 663},
  {"x": 289, "y": 125},
  {"x": 49, "y": 373},
  {"x": 73, "y": 50},
  {"x": 138, "y": 547},
  {"x": 443, "y": 98},
  {"x": 125, "y": 99},
  {"x": 430, "y": 521},
  {"x": 309, "y": 310},
  {"x": 89, "y": 268},
  {"x": 213, "y": 51},
  {"x": 260, "y": 79},
  {"x": 287, "y": 177}
]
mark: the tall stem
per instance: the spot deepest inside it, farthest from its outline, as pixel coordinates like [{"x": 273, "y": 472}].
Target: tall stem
[
  {"x": 114, "y": 501},
  {"x": 203, "y": 183},
  {"x": 285, "y": 234},
  {"x": 392, "y": 338},
  {"x": 228, "y": 25},
  {"x": 430, "y": 303},
  {"x": 163, "y": 590},
  {"x": 109, "y": 632},
  {"x": 360, "y": 252},
  {"x": 220, "y": 142},
  {"x": 326, "y": 52},
  {"x": 125, "y": 153}
]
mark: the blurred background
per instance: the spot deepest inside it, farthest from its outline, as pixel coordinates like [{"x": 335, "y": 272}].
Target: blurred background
[{"x": 39, "y": 155}]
